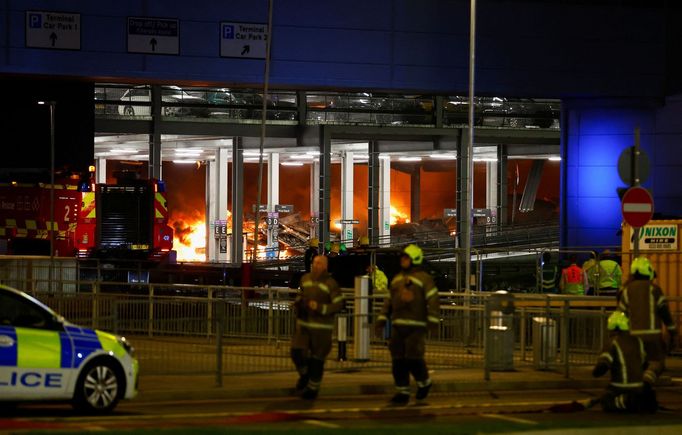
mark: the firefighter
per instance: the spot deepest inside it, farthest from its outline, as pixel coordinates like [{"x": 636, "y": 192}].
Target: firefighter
[
  {"x": 646, "y": 306},
  {"x": 319, "y": 299},
  {"x": 610, "y": 275},
  {"x": 413, "y": 307},
  {"x": 627, "y": 360},
  {"x": 573, "y": 279},
  {"x": 310, "y": 253}
]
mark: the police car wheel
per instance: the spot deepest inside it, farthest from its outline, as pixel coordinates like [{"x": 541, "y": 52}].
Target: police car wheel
[{"x": 99, "y": 388}]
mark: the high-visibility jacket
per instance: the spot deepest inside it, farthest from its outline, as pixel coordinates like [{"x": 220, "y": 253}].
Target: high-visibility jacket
[
  {"x": 414, "y": 300},
  {"x": 626, "y": 359},
  {"x": 379, "y": 281},
  {"x": 573, "y": 280},
  {"x": 325, "y": 291},
  {"x": 549, "y": 276},
  {"x": 647, "y": 308},
  {"x": 610, "y": 274}
]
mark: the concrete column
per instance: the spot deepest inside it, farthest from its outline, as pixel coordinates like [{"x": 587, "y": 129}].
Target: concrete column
[
  {"x": 237, "y": 243},
  {"x": 273, "y": 194},
  {"x": 154, "y": 170},
  {"x": 415, "y": 184},
  {"x": 314, "y": 197},
  {"x": 385, "y": 201},
  {"x": 101, "y": 171},
  {"x": 324, "y": 185},
  {"x": 491, "y": 186},
  {"x": 374, "y": 174},
  {"x": 216, "y": 205},
  {"x": 347, "y": 196},
  {"x": 502, "y": 201}
]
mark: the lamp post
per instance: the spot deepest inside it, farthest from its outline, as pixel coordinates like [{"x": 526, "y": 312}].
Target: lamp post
[{"x": 51, "y": 105}]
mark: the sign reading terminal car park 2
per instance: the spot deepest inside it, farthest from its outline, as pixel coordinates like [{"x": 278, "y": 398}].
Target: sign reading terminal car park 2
[
  {"x": 243, "y": 40},
  {"x": 153, "y": 35},
  {"x": 637, "y": 207},
  {"x": 53, "y": 30}
]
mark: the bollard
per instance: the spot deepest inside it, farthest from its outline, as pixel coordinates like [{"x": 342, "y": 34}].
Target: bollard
[
  {"x": 341, "y": 337},
  {"x": 361, "y": 320}
]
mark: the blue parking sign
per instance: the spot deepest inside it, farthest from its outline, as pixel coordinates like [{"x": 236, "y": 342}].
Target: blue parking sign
[
  {"x": 35, "y": 21},
  {"x": 228, "y": 31}
]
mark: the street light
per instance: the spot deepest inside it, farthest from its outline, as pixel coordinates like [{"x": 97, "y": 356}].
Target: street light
[{"x": 52, "y": 105}]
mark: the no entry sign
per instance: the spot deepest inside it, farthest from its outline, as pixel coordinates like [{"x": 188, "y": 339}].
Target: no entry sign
[{"x": 637, "y": 207}]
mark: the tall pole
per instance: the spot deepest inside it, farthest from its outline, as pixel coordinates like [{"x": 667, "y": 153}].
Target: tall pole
[
  {"x": 266, "y": 82},
  {"x": 466, "y": 213},
  {"x": 635, "y": 183},
  {"x": 51, "y": 104}
]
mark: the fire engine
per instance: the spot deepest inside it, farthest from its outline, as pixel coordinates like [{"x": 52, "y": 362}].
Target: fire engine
[{"x": 128, "y": 219}]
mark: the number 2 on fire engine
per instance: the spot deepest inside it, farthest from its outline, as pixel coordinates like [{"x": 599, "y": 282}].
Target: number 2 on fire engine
[{"x": 66, "y": 213}]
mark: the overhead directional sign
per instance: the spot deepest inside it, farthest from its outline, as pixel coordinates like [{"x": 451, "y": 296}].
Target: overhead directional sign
[
  {"x": 243, "y": 40},
  {"x": 54, "y": 30},
  {"x": 348, "y": 221},
  {"x": 153, "y": 35},
  {"x": 637, "y": 207},
  {"x": 450, "y": 212},
  {"x": 284, "y": 208}
]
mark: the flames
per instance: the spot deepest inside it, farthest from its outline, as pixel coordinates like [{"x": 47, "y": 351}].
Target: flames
[
  {"x": 189, "y": 240},
  {"x": 398, "y": 217}
]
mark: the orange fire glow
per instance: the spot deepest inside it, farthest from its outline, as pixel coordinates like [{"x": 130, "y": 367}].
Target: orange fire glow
[
  {"x": 398, "y": 217},
  {"x": 190, "y": 237}
]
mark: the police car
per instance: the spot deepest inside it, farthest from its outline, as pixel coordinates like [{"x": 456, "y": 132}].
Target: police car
[{"x": 44, "y": 357}]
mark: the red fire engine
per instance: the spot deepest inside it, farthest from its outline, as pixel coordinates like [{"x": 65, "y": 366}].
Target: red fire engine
[{"x": 128, "y": 219}]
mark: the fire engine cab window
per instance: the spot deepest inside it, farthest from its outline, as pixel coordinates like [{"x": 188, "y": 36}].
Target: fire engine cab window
[{"x": 20, "y": 313}]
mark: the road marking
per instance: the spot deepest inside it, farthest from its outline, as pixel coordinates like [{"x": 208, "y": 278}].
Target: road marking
[
  {"x": 322, "y": 424},
  {"x": 507, "y": 418}
]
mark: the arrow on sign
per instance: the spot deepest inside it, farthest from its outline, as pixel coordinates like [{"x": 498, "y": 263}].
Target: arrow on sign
[
  {"x": 246, "y": 49},
  {"x": 53, "y": 38},
  {"x": 153, "y": 44}
]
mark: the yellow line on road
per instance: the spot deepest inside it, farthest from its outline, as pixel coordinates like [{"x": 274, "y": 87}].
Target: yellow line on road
[
  {"x": 507, "y": 418},
  {"x": 322, "y": 424}
]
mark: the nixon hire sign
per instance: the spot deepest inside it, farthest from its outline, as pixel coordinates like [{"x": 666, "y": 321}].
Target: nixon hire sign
[{"x": 658, "y": 237}]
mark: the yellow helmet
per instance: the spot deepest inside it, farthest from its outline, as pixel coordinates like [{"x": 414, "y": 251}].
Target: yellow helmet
[
  {"x": 415, "y": 253},
  {"x": 642, "y": 266},
  {"x": 618, "y": 320},
  {"x": 314, "y": 242},
  {"x": 364, "y": 241}
]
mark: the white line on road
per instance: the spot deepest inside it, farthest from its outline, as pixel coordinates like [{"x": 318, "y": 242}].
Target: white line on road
[{"x": 507, "y": 418}]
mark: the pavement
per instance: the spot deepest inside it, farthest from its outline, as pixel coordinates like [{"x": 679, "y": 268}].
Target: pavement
[{"x": 377, "y": 381}]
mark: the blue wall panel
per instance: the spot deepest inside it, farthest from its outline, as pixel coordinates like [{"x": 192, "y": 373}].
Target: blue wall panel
[{"x": 524, "y": 48}]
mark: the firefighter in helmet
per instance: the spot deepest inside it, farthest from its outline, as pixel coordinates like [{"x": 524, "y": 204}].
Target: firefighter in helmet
[
  {"x": 646, "y": 306},
  {"x": 627, "y": 361},
  {"x": 413, "y": 308},
  {"x": 314, "y": 307}
]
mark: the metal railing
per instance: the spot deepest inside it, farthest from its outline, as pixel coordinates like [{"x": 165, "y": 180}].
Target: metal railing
[{"x": 181, "y": 334}]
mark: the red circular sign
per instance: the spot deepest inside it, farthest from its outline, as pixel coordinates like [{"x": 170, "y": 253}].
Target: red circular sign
[{"x": 637, "y": 207}]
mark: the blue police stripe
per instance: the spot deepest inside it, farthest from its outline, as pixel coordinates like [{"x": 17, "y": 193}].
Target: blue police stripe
[
  {"x": 85, "y": 342},
  {"x": 8, "y": 355},
  {"x": 67, "y": 351}
]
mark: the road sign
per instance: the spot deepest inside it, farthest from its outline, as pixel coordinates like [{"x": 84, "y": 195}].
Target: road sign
[
  {"x": 153, "y": 35},
  {"x": 349, "y": 221},
  {"x": 450, "y": 212},
  {"x": 261, "y": 208},
  {"x": 284, "y": 208},
  {"x": 243, "y": 40},
  {"x": 625, "y": 166},
  {"x": 53, "y": 30},
  {"x": 637, "y": 207}
]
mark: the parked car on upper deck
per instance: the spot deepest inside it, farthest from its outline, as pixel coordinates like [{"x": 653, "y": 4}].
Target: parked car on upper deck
[{"x": 174, "y": 100}]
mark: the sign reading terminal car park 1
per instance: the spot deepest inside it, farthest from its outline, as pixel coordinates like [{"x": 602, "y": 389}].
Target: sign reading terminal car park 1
[
  {"x": 656, "y": 237},
  {"x": 153, "y": 35},
  {"x": 53, "y": 30},
  {"x": 243, "y": 40}
]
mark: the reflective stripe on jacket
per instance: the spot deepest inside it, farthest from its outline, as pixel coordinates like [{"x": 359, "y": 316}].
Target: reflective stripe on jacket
[
  {"x": 626, "y": 359},
  {"x": 325, "y": 291},
  {"x": 647, "y": 308},
  {"x": 573, "y": 280},
  {"x": 413, "y": 300}
]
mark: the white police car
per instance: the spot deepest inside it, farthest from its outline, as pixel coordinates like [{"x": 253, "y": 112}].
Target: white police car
[{"x": 43, "y": 357}]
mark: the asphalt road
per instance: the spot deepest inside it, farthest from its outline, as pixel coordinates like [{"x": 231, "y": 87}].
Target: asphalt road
[{"x": 452, "y": 413}]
